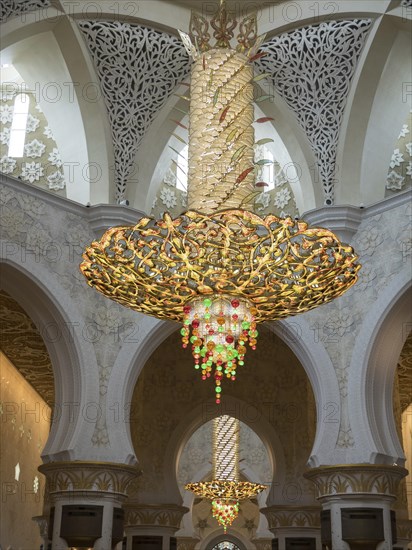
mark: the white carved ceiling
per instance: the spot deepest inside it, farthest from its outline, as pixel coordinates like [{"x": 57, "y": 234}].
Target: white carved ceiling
[
  {"x": 235, "y": 6},
  {"x": 12, "y": 8},
  {"x": 23, "y": 345},
  {"x": 312, "y": 69},
  {"x": 139, "y": 68}
]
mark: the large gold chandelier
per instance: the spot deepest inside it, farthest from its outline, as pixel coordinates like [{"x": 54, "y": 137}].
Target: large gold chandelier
[
  {"x": 225, "y": 490},
  {"x": 219, "y": 268}
]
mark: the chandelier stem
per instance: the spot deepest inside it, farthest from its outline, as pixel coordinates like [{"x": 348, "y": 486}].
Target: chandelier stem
[
  {"x": 226, "y": 431},
  {"x": 221, "y": 137}
]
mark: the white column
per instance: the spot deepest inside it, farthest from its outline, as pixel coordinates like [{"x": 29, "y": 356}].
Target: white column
[
  {"x": 87, "y": 484},
  {"x": 86, "y": 498},
  {"x": 105, "y": 542},
  {"x": 157, "y": 520},
  {"x": 347, "y": 486},
  {"x": 57, "y": 542},
  {"x": 338, "y": 503}
]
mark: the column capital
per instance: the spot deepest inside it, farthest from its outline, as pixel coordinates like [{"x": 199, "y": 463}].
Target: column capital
[
  {"x": 186, "y": 543},
  {"x": 102, "y": 477},
  {"x": 154, "y": 516},
  {"x": 404, "y": 530},
  {"x": 263, "y": 543},
  {"x": 354, "y": 479},
  {"x": 281, "y": 516}
]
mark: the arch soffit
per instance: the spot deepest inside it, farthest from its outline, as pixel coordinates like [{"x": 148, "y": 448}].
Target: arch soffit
[
  {"x": 372, "y": 371},
  {"x": 297, "y": 334},
  {"x": 356, "y": 138},
  {"x": 46, "y": 302}
]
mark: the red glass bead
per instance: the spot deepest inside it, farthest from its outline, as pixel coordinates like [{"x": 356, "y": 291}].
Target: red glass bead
[
  {"x": 195, "y": 323},
  {"x": 187, "y": 309},
  {"x": 235, "y": 303},
  {"x": 230, "y": 339}
]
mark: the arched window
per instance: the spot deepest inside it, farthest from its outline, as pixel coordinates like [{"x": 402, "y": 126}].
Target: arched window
[
  {"x": 182, "y": 169},
  {"x": 266, "y": 172},
  {"x": 225, "y": 542},
  {"x": 226, "y": 545},
  {"x": 18, "y": 126}
]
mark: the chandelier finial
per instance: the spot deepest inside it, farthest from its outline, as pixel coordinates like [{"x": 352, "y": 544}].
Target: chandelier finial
[{"x": 223, "y": 25}]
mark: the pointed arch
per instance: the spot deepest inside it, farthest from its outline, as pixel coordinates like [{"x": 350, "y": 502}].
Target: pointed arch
[
  {"x": 56, "y": 318},
  {"x": 372, "y": 370}
]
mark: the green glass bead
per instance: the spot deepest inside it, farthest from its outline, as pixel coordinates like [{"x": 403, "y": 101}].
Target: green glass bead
[{"x": 207, "y": 302}]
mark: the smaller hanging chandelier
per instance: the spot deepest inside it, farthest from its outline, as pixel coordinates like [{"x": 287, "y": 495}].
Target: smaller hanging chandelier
[{"x": 225, "y": 491}]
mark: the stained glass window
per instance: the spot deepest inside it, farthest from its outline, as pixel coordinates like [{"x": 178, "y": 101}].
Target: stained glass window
[{"x": 226, "y": 545}]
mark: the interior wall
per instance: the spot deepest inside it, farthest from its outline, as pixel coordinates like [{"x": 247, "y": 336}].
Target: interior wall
[
  {"x": 407, "y": 447},
  {"x": 24, "y": 429}
]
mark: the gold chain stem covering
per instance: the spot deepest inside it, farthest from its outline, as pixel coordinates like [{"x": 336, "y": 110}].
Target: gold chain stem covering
[
  {"x": 221, "y": 134},
  {"x": 226, "y": 448}
]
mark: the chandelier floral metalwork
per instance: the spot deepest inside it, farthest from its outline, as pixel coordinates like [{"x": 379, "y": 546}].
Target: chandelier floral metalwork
[
  {"x": 219, "y": 268},
  {"x": 225, "y": 490}
]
